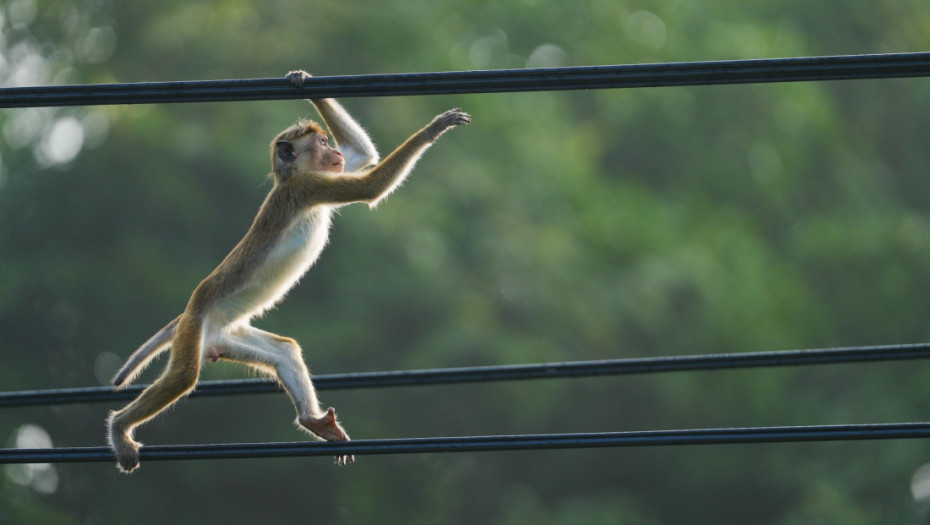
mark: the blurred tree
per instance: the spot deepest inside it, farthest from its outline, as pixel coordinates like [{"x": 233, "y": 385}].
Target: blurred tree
[{"x": 559, "y": 226}]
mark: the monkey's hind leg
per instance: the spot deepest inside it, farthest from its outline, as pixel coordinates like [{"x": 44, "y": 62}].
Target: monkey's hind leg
[
  {"x": 282, "y": 358},
  {"x": 179, "y": 378}
]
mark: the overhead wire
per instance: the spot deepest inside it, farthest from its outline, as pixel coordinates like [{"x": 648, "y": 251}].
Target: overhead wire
[
  {"x": 792, "y": 69},
  {"x": 719, "y": 436},
  {"x": 643, "y": 365}
]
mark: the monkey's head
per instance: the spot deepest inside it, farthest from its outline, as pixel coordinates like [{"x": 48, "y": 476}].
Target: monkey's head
[{"x": 301, "y": 148}]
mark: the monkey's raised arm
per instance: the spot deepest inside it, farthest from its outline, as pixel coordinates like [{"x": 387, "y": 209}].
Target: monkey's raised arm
[
  {"x": 351, "y": 140},
  {"x": 374, "y": 185}
]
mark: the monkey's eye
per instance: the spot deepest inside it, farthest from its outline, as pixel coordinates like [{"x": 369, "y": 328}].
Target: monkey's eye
[{"x": 324, "y": 142}]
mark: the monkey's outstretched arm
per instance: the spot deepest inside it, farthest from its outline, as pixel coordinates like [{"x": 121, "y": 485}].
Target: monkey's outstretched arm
[
  {"x": 374, "y": 185},
  {"x": 351, "y": 140}
]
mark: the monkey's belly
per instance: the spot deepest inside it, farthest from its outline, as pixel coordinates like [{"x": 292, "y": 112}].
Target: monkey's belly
[{"x": 294, "y": 252}]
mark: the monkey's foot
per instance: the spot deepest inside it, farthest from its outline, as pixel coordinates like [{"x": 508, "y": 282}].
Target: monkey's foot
[
  {"x": 329, "y": 429},
  {"x": 126, "y": 451}
]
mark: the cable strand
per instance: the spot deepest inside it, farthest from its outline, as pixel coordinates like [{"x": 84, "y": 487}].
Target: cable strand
[
  {"x": 792, "y": 69},
  {"x": 719, "y": 436},
  {"x": 646, "y": 365}
]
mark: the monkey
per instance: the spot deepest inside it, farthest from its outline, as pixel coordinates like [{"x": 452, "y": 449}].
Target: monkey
[{"x": 310, "y": 180}]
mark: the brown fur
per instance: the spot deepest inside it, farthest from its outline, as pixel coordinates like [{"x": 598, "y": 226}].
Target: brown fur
[{"x": 308, "y": 184}]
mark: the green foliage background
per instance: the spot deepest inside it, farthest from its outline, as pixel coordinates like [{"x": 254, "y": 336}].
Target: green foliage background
[{"x": 558, "y": 226}]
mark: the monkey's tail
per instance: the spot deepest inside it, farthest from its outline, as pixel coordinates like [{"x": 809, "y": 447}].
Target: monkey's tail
[{"x": 144, "y": 355}]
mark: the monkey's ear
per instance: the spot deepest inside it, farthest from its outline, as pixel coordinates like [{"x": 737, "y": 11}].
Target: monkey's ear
[{"x": 284, "y": 150}]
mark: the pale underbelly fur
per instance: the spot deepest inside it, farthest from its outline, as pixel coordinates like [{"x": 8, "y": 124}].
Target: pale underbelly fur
[{"x": 297, "y": 249}]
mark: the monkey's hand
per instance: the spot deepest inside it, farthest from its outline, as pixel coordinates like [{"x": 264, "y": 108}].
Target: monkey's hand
[
  {"x": 445, "y": 122},
  {"x": 297, "y": 77}
]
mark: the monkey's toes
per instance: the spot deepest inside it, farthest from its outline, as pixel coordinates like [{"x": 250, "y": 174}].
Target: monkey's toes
[
  {"x": 127, "y": 465},
  {"x": 127, "y": 460},
  {"x": 344, "y": 460}
]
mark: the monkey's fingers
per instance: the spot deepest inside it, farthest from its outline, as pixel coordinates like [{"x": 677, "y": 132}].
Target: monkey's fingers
[
  {"x": 454, "y": 117},
  {"x": 460, "y": 119},
  {"x": 297, "y": 77},
  {"x": 464, "y": 118}
]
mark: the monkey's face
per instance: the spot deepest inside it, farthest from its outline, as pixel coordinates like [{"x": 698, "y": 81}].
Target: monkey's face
[{"x": 314, "y": 153}]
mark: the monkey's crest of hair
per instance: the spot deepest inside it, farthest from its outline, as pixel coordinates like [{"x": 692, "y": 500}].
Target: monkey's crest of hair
[{"x": 301, "y": 128}]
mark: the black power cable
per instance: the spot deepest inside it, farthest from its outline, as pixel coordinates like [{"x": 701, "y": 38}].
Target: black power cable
[
  {"x": 483, "y": 443},
  {"x": 646, "y": 365},
  {"x": 794, "y": 69}
]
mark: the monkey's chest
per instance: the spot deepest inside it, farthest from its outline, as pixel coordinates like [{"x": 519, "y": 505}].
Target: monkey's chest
[{"x": 288, "y": 258}]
